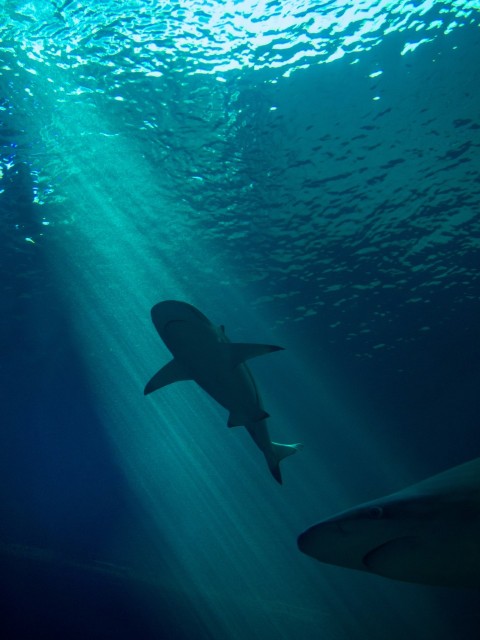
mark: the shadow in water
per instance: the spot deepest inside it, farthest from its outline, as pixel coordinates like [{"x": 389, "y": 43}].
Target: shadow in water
[{"x": 48, "y": 595}]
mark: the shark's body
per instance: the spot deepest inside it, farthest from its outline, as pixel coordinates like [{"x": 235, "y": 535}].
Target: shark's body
[
  {"x": 203, "y": 353},
  {"x": 428, "y": 533}
]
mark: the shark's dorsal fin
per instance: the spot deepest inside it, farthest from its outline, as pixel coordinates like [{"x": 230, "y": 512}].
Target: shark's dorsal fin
[
  {"x": 241, "y": 351},
  {"x": 171, "y": 372}
]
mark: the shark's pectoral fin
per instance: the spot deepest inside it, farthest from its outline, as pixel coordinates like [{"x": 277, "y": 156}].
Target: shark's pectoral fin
[
  {"x": 241, "y": 351},
  {"x": 239, "y": 419},
  {"x": 171, "y": 372},
  {"x": 409, "y": 558}
]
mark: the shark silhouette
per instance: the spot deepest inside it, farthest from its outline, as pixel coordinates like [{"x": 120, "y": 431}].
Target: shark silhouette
[
  {"x": 203, "y": 353},
  {"x": 428, "y": 533}
]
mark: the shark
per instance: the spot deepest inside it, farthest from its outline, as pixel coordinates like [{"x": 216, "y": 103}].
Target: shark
[
  {"x": 428, "y": 533},
  {"x": 202, "y": 352}
]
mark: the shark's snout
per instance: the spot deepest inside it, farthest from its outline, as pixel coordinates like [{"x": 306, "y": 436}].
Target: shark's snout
[
  {"x": 317, "y": 541},
  {"x": 170, "y": 311}
]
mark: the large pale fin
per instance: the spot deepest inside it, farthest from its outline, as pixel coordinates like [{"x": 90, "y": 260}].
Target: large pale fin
[
  {"x": 281, "y": 451},
  {"x": 241, "y": 351},
  {"x": 171, "y": 372}
]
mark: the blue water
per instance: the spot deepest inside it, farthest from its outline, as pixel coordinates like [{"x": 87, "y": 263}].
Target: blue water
[{"x": 306, "y": 175}]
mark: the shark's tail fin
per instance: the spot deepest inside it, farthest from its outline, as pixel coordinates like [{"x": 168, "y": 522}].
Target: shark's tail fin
[{"x": 280, "y": 452}]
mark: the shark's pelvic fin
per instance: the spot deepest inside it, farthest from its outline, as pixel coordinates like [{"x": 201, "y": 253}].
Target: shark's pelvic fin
[
  {"x": 241, "y": 351},
  {"x": 281, "y": 451},
  {"x": 238, "y": 420},
  {"x": 171, "y": 372}
]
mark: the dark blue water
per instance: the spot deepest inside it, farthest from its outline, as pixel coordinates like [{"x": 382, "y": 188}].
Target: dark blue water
[{"x": 305, "y": 175}]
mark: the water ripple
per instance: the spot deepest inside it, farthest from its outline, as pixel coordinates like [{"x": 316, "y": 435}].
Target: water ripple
[
  {"x": 221, "y": 36},
  {"x": 332, "y": 187}
]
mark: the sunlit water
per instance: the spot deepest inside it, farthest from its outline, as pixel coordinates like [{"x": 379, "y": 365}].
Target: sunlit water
[{"x": 306, "y": 175}]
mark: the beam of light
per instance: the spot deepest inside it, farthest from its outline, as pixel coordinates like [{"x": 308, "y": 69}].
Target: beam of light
[{"x": 175, "y": 451}]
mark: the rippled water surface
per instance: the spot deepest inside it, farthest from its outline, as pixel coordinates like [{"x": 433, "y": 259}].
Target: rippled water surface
[{"x": 277, "y": 129}]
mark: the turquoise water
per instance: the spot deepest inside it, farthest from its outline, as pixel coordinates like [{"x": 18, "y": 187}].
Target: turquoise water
[{"x": 306, "y": 175}]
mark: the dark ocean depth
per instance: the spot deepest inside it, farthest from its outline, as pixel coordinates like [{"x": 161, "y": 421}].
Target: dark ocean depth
[{"x": 306, "y": 175}]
